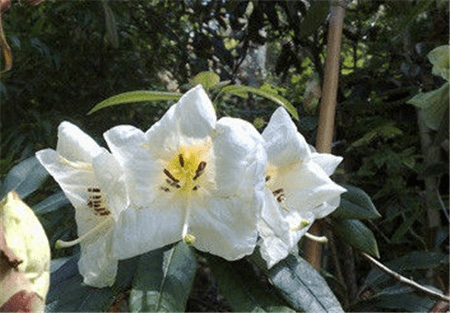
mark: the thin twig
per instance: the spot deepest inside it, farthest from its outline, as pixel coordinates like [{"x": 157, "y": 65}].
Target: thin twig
[{"x": 431, "y": 293}]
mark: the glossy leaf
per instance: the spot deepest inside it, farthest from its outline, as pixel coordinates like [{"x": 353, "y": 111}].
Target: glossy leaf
[
  {"x": 356, "y": 234},
  {"x": 24, "y": 178},
  {"x": 136, "y": 96},
  {"x": 303, "y": 288},
  {"x": 439, "y": 57},
  {"x": 163, "y": 280},
  {"x": 355, "y": 204},
  {"x": 239, "y": 90},
  {"x": 52, "y": 203},
  {"x": 206, "y": 79},
  {"x": 241, "y": 288},
  {"x": 68, "y": 293}
]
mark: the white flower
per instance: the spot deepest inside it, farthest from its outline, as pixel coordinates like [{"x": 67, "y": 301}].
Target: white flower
[
  {"x": 192, "y": 178},
  {"x": 298, "y": 188},
  {"x": 92, "y": 180}
]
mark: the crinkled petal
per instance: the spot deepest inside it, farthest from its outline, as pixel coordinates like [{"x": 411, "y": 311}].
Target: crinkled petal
[
  {"x": 191, "y": 119},
  {"x": 283, "y": 143},
  {"x": 240, "y": 159},
  {"x": 97, "y": 265},
  {"x": 274, "y": 231},
  {"x": 140, "y": 230},
  {"x": 327, "y": 207},
  {"x": 112, "y": 181},
  {"x": 142, "y": 171},
  {"x": 75, "y": 145},
  {"x": 326, "y": 161},
  {"x": 225, "y": 227},
  {"x": 307, "y": 186},
  {"x": 74, "y": 179}
]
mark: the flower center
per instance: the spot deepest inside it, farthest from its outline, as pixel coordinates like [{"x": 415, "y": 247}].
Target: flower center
[
  {"x": 184, "y": 173},
  {"x": 274, "y": 184}
]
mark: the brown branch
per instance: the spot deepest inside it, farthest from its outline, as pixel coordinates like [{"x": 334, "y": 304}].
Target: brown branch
[
  {"x": 313, "y": 250},
  {"x": 431, "y": 293}
]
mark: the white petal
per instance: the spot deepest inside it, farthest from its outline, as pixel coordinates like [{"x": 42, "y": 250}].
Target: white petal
[
  {"x": 96, "y": 264},
  {"x": 240, "y": 159},
  {"x": 225, "y": 227},
  {"x": 307, "y": 186},
  {"x": 274, "y": 230},
  {"x": 283, "y": 143},
  {"x": 191, "y": 119},
  {"x": 75, "y": 145},
  {"x": 141, "y": 230},
  {"x": 111, "y": 180},
  {"x": 326, "y": 161},
  {"x": 327, "y": 207},
  {"x": 142, "y": 171}
]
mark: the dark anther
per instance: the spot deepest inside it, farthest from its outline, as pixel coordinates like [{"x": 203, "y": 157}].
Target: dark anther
[
  {"x": 93, "y": 190},
  {"x": 200, "y": 168},
  {"x": 278, "y": 191},
  {"x": 267, "y": 177},
  {"x": 180, "y": 158},
  {"x": 165, "y": 189},
  {"x": 196, "y": 187},
  {"x": 170, "y": 176}
]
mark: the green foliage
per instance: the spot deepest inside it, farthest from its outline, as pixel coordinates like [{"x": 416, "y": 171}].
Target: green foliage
[
  {"x": 135, "y": 96},
  {"x": 300, "y": 285},
  {"x": 244, "y": 292},
  {"x": 355, "y": 233},
  {"x": 355, "y": 204},
  {"x": 163, "y": 280}
]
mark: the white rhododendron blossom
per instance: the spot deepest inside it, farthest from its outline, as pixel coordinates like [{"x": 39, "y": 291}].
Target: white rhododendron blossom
[
  {"x": 298, "y": 188},
  {"x": 192, "y": 178},
  {"x": 93, "y": 181}
]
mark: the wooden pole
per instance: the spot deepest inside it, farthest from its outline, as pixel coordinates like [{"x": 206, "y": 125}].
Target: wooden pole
[{"x": 313, "y": 250}]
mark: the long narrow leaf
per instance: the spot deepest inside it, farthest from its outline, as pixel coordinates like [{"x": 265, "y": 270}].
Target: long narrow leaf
[
  {"x": 24, "y": 178},
  {"x": 52, "y": 203},
  {"x": 239, "y": 90},
  {"x": 300, "y": 285},
  {"x": 242, "y": 290},
  {"x": 163, "y": 280},
  {"x": 136, "y": 96}
]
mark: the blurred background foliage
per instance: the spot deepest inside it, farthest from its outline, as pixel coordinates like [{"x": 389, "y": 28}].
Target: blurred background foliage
[{"x": 70, "y": 55}]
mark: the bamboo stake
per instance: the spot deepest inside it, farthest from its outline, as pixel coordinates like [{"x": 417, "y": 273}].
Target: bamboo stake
[{"x": 313, "y": 250}]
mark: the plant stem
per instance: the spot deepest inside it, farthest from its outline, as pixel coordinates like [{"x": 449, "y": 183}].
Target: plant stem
[{"x": 431, "y": 293}]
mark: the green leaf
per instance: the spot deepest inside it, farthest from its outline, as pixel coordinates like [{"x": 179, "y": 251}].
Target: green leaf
[
  {"x": 24, "y": 178},
  {"x": 439, "y": 57},
  {"x": 240, "y": 90},
  {"x": 67, "y": 292},
  {"x": 136, "y": 96},
  {"x": 434, "y": 105},
  {"x": 300, "y": 284},
  {"x": 241, "y": 288},
  {"x": 52, "y": 203},
  {"x": 355, "y": 204},
  {"x": 356, "y": 234},
  {"x": 404, "y": 302},
  {"x": 163, "y": 280},
  {"x": 403, "y": 228},
  {"x": 416, "y": 260},
  {"x": 206, "y": 79},
  {"x": 315, "y": 16}
]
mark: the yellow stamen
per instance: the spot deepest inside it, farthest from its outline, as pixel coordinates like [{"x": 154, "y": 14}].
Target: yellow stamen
[{"x": 189, "y": 239}]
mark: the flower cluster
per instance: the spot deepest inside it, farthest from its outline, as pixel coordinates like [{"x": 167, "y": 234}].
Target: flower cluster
[{"x": 219, "y": 185}]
